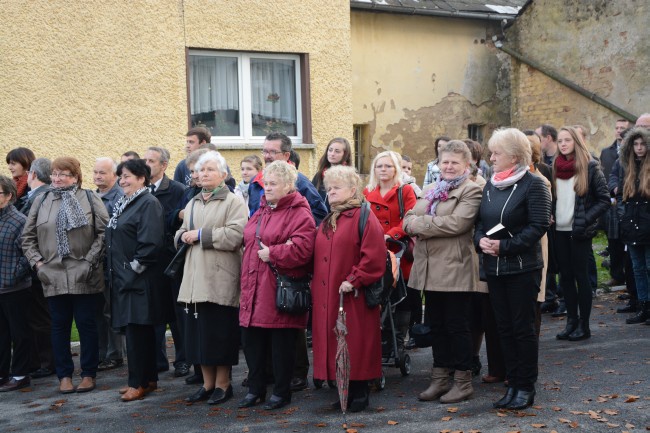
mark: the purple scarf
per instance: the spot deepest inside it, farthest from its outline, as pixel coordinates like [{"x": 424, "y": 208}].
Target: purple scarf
[{"x": 440, "y": 191}]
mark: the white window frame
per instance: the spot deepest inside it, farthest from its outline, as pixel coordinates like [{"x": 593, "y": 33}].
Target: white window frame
[{"x": 244, "y": 79}]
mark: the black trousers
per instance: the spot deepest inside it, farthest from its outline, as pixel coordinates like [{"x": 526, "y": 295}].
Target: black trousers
[
  {"x": 281, "y": 343},
  {"x": 448, "y": 314},
  {"x": 616, "y": 250},
  {"x": 41, "y": 323},
  {"x": 301, "y": 362},
  {"x": 573, "y": 257},
  {"x": 141, "y": 355},
  {"x": 14, "y": 330},
  {"x": 496, "y": 364},
  {"x": 514, "y": 301}
]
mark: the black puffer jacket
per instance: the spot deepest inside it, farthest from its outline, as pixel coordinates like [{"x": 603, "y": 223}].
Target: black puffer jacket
[
  {"x": 591, "y": 206},
  {"x": 525, "y": 211}
]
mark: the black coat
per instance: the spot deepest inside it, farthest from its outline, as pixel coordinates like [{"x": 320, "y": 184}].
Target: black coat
[
  {"x": 590, "y": 207},
  {"x": 138, "y": 298},
  {"x": 607, "y": 158},
  {"x": 526, "y": 211},
  {"x": 169, "y": 193}
]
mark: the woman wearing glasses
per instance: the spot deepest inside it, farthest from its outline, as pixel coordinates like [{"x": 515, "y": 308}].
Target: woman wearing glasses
[{"x": 63, "y": 240}]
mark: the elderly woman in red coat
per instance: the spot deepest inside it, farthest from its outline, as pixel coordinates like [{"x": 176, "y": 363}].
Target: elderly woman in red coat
[
  {"x": 384, "y": 185},
  {"x": 279, "y": 235},
  {"x": 345, "y": 263}
]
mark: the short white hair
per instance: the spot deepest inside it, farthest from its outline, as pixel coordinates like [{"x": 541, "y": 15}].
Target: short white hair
[
  {"x": 286, "y": 172},
  {"x": 107, "y": 159},
  {"x": 212, "y": 156}
]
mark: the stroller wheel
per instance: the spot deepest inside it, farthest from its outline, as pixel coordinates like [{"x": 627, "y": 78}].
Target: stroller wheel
[
  {"x": 331, "y": 384},
  {"x": 318, "y": 383},
  {"x": 380, "y": 383},
  {"x": 405, "y": 364}
]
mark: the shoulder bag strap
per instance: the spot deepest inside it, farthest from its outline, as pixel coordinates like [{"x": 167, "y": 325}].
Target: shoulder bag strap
[
  {"x": 259, "y": 240},
  {"x": 192, "y": 215},
  {"x": 92, "y": 208},
  {"x": 363, "y": 218},
  {"x": 400, "y": 202}
]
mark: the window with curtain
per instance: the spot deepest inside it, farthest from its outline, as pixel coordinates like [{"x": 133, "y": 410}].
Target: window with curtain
[{"x": 243, "y": 97}]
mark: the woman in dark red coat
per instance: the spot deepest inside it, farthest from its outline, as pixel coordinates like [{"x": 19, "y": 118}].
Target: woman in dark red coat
[
  {"x": 286, "y": 242},
  {"x": 346, "y": 264},
  {"x": 382, "y": 193}
]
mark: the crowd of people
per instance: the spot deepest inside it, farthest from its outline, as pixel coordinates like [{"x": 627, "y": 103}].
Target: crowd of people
[{"x": 483, "y": 246}]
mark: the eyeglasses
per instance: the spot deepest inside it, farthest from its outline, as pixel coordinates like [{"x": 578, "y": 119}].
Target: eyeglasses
[
  {"x": 271, "y": 152},
  {"x": 5, "y": 193},
  {"x": 61, "y": 175}
]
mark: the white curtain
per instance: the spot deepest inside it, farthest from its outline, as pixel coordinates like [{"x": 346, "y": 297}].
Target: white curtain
[
  {"x": 213, "y": 84},
  {"x": 271, "y": 78}
]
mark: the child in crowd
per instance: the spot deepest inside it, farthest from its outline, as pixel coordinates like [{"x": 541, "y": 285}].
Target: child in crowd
[
  {"x": 407, "y": 178},
  {"x": 251, "y": 165}
]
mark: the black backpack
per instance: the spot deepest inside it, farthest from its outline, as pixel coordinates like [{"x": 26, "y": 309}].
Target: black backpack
[{"x": 378, "y": 292}]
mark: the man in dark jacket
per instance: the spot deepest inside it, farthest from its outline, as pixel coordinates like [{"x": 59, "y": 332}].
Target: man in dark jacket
[
  {"x": 110, "y": 343},
  {"x": 615, "y": 247},
  {"x": 38, "y": 180},
  {"x": 15, "y": 281},
  {"x": 168, "y": 192}
]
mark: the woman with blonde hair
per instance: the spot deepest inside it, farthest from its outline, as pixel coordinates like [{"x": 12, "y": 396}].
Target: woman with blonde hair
[
  {"x": 347, "y": 262},
  {"x": 514, "y": 215},
  {"x": 581, "y": 198}
]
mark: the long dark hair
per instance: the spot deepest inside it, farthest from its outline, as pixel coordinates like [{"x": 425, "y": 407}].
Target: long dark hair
[{"x": 324, "y": 164}]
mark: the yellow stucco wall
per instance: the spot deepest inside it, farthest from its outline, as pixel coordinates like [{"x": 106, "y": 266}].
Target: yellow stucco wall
[
  {"x": 417, "y": 77},
  {"x": 97, "y": 78}
]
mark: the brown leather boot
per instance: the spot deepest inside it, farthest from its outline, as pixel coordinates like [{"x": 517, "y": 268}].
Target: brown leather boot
[
  {"x": 462, "y": 389},
  {"x": 87, "y": 384},
  {"x": 440, "y": 384},
  {"x": 66, "y": 386},
  {"x": 133, "y": 394}
]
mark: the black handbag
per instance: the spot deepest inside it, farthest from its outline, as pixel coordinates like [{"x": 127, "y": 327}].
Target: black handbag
[
  {"x": 421, "y": 332},
  {"x": 293, "y": 294},
  {"x": 175, "y": 268}
]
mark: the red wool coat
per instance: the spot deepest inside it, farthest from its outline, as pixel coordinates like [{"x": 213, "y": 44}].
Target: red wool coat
[
  {"x": 386, "y": 209},
  {"x": 291, "y": 219},
  {"x": 343, "y": 256}
]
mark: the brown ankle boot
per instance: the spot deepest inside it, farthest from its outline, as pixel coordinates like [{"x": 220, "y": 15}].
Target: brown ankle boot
[
  {"x": 462, "y": 389},
  {"x": 440, "y": 384}
]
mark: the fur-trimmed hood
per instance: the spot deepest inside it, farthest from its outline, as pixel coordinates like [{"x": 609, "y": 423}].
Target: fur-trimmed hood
[{"x": 628, "y": 143}]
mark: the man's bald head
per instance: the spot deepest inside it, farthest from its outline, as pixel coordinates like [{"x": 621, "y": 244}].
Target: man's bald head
[{"x": 644, "y": 120}]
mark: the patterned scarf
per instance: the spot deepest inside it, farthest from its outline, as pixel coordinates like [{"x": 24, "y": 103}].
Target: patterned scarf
[
  {"x": 122, "y": 203},
  {"x": 70, "y": 216},
  {"x": 330, "y": 220},
  {"x": 507, "y": 178},
  {"x": 21, "y": 185},
  {"x": 440, "y": 191},
  {"x": 565, "y": 168}
]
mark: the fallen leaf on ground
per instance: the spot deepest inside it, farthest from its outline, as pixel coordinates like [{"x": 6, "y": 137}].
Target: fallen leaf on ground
[
  {"x": 351, "y": 430},
  {"x": 357, "y": 424},
  {"x": 557, "y": 409},
  {"x": 452, "y": 409},
  {"x": 610, "y": 412},
  {"x": 321, "y": 424},
  {"x": 539, "y": 425},
  {"x": 245, "y": 429},
  {"x": 564, "y": 420},
  {"x": 631, "y": 398},
  {"x": 574, "y": 425},
  {"x": 612, "y": 424},
  {"x": 446, "y": 418},
  {"x": 390, "y": 422},
  {"x": 628, "y": 425},
  {"x": 501, "y": 414}
]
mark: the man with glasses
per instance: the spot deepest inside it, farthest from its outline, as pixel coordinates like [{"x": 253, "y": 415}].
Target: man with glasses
[
  {"x": 277, "y": 147},
  {"x": 15, "y": 281}
]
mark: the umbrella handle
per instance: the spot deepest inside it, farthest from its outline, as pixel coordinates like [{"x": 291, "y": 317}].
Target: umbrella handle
[{"x": 341, "y": 302}]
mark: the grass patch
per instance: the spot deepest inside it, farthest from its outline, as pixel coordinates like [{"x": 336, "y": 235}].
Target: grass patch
[{"x": 600, "y": 243}]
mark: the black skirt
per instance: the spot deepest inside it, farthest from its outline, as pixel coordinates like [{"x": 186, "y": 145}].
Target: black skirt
[{"x": 212, "y": 336}]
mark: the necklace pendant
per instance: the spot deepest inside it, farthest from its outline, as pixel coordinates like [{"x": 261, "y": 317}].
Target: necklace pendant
[
  {"x": 196, "y": 315},
  {"x": 186, "y": 310}
]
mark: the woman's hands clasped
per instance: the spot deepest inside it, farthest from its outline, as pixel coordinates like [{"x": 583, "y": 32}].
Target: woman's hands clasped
[{"x": 489, "y": 246}]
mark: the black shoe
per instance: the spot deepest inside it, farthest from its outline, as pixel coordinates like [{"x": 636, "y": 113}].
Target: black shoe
[
  {"x": 194, "y": 379},
  {"x": 298, "y": 384},
  {"x": 603, "y": 253},
  {"x": 642, "y": 315},
  {"x": 631, "y": 307},
  {"x": 4, "y": 380},
  {"x": 548, "y": 307},
  {"x": 571, "y": 325},
  {"x": 13, "y": 384},
  {"x": 521, "y": 400},
  {"x": 251, "y": 400},
  {"x": 309, "y": 338},
  {"x": 623, "y": 297},
  {"x": 181, "y": 370},
  {"x": 561, "y": 310},
  {"x": 582, "y": 332},
  {"x": 359, "y": 404},
  {"x": 410, "y": 344},
  {"x": 109, "y": 364},
  {"x": 244, "y": 382},
  {"x": 220, "y": 396},
  {"x": 200, "y": 395},
  {"x": 506, "y": 399},
  {"x": 476, "y": 366},
  {"x": 41, "y": 372},
  {"x": 276, "y": 402}
]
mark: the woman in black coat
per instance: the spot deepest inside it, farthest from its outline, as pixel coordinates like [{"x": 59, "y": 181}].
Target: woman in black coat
[
  {"x": 581, "y": 197},
  {"x": 134, "y": 239},
  {"x": 515, "y": 213}
]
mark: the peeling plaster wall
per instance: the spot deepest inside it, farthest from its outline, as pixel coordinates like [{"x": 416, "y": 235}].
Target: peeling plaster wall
[
  {"x": 97, "y": 78},
  {"x": 415, "y": 78},
  {"x": 600, "y": 45}
]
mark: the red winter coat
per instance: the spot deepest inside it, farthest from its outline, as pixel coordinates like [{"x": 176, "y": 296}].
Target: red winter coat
[
  {"x": 291, "y": 219},
  {"x": 343, "y": 256},
  {"x": 386, "y": 209}
]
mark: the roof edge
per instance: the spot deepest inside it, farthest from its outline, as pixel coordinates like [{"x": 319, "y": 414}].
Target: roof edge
[{"x": 371, "y": 5}]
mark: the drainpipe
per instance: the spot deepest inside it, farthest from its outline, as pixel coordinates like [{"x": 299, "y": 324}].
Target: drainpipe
[
  {"x": 570, "y": 84},
  {"x": 431, "y": 12}
]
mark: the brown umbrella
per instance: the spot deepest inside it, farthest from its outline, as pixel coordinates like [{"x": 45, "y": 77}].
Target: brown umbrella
[{"x": 342, "y": 358}]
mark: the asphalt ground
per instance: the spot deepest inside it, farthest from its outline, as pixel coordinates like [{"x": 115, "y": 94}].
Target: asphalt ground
[{"x": 598, "y": 385}]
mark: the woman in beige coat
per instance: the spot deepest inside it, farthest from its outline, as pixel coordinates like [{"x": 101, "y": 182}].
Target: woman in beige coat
[
  {"x": 446, "y": 269},
  {"x": 214, "y": 228}
]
